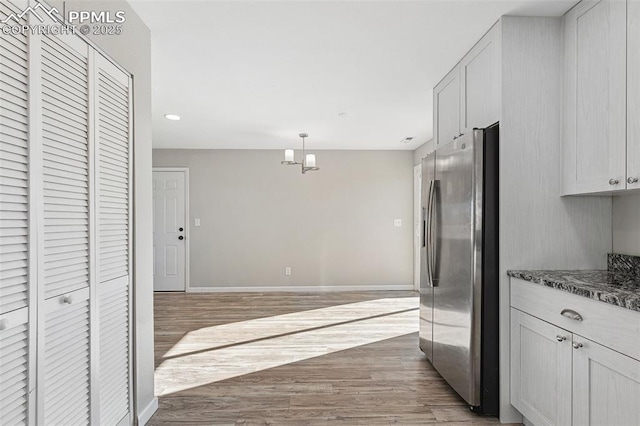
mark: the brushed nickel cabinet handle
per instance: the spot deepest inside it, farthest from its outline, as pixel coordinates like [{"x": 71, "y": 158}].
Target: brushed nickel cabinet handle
[
  {"x": 613, "y": 182},
  {"x": 571, "y": 314},
  {"x": 632, "y": 179},
  {"x": 560, "y": 338},
  {"x": 67, "y": 299},
  {"x": 577, "y": 345}
]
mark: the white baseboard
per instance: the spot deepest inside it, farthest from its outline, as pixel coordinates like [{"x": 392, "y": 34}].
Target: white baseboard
[
  {"x": 145, "y": 415},
  {"x": 301, "y": 289}
]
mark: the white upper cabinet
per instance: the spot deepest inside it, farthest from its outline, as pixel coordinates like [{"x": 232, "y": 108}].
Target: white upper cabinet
[
  {"x": 595, "y": 93},
  {"x": 469, "y": 96},
  {"x": 446, "y": 109},
  {"x": 633, "y": 95},
  {"x": 480, "y": 83}
]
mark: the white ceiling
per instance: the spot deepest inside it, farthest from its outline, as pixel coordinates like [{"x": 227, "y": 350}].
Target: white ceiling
[{"x": 252, "y": 75}]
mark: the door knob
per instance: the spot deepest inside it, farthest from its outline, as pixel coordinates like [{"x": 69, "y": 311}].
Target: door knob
[
  {"x": 181, "y": 237},
  {"x": 180, "y": 229},
  {"x": 632, "y": 180}
]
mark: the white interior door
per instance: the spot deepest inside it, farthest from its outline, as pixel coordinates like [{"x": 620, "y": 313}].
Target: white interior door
[
  {"x": 169, "y": 230},
  {"x": 417, "y": 216}
]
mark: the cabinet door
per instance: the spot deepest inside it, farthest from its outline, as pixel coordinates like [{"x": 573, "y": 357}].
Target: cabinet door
[
  {"x": 540, "y": 370},
  {"x": 633, "y": 95},
  {"x": 446, "y": 109},
  {"x": 479, "y": 83},
  {"x": 595, "y": 97},
  {"x": 606, "y": 386}
]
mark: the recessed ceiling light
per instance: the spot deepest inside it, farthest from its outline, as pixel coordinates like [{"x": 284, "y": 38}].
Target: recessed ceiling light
[
  {"x": 407, "y": 139},
  {"x": 172, "y": 117}
]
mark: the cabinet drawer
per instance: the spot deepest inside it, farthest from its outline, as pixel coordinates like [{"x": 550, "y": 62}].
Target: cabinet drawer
[{"x": 608, "y": 325}]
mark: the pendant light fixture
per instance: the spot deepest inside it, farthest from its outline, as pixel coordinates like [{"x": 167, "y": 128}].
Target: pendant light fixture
[{"x": 308, "y": 160}]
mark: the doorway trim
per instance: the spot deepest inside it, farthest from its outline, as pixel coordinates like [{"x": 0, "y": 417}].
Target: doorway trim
[
  {"x": 187, "y": 224},
  {"x": 417, "y": 210}
]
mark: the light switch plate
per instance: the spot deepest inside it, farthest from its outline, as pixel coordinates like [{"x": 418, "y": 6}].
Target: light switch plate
[
  {"x": 397, "y": 223},
  {"x": 196, "y": 222}
]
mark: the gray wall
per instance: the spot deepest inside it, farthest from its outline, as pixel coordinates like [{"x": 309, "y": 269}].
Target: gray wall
[
  {"x": 420, "y": 152},
  {"x": 626, "y": 224},
  {"x": 333, "y": 227},
  {"x": 132, "y": 50}
]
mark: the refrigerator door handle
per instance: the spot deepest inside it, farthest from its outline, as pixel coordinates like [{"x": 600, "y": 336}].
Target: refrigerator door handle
[
  {"x": 432, "y": 230},
  {"x": 424, "y": 230},
  {"x": 429, "y": 236}
]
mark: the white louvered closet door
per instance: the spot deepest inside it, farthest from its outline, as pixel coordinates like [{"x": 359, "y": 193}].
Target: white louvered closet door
[
  {"x": 14, "y": 226},
  {"x": 14, "y": 340},
  {"x": 113, "y": 230},
  {"x": 64, "y": 358}
]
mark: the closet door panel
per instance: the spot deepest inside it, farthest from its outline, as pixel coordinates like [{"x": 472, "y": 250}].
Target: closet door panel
[
  {"x": 14, "y": 366},
  {"x": 15, "y": 332},
  {"x": 66, "y": 359},
  {"x": 14, "y": 158},
  {"x": 64, "y": 324},
  {"x": 114, "y": 352},
  {"x": 65, "y": 155},
  {"x": 113, "y": 150}
]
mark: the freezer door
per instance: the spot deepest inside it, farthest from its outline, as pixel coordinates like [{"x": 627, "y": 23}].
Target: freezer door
[
  {"x": 426, "y": 287},
  {"x": 456, "y": 339}
]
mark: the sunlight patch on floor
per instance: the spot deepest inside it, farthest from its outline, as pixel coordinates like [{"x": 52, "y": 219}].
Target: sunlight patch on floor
[
  {"x": 201, "y": 363},
  {"x": 245, "y": 331}
]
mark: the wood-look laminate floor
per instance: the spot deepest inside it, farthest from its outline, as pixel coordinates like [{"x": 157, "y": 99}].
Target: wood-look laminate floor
[{"x": 348, "y": 358}]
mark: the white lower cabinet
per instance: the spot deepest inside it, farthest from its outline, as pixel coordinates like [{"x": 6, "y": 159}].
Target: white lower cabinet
[
  {"x": 540, "y": 370},
  {"x": 606, "y": 386},
  {"x": 561, "y": 378}
]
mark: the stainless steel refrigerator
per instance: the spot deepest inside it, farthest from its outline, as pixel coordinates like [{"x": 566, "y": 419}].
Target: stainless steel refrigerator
[{"x": 459, "y": 266}]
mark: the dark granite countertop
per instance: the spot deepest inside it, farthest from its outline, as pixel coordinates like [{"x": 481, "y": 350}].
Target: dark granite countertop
[{"x": 613, "y": 287}]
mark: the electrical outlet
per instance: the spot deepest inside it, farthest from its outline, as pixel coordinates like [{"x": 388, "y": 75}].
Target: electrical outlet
[
  {"x": 397, "y": 222},
  {"x": 196, "y": 222},
  {"x": 287, "y": 270}
]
